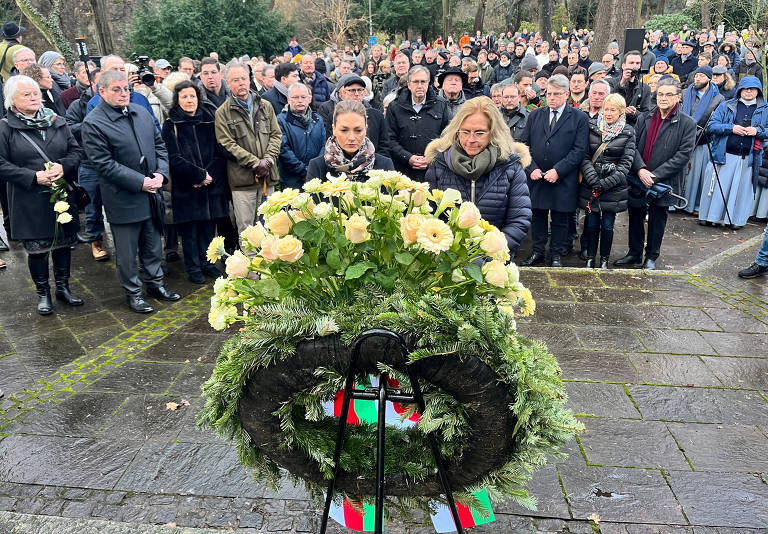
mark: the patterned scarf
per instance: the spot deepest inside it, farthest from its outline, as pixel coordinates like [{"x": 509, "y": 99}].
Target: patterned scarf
[
  {"x": 610, "y": 131},
  {"x": 42, "y": 120},
  {"x": 356, "y": 166}
]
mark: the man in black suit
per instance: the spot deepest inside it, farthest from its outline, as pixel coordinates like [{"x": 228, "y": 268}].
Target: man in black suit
[
  {"x": 127, "y": 151},
  {"x": 557, "y": 136}
]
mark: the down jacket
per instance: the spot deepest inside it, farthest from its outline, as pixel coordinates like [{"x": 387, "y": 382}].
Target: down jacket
[
  {"x": 609, "y": 172},
  {"x": 501, "y": 195},
  {"x": 300, "y": 145},
  {"x": 193, "y": 152}
]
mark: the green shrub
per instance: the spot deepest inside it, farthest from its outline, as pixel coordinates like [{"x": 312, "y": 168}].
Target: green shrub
[{"x": 671, "y": 23}]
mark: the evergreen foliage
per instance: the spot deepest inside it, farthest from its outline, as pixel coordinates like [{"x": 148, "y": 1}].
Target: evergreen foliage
[{"x": 175, "y": 28}]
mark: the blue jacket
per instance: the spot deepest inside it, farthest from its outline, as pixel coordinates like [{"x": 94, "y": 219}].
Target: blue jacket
[
  {"x": 299, "y": 144},
  {"x": 320, "y": 90},
  {"x": 136, "y": 98},
  {"x": 720, "y": 125},
  {"x": 501, "y": 195}
]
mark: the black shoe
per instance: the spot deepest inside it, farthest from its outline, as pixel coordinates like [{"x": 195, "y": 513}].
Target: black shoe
[
  {"x": 604, "y": 262},
  {"x": 138, "y": 304},
  {"x": 38, "y": 270},
  {"x": 649, "y": 264},
  {"x": 196, "y": 278},
  {"x": 172, "y": 256},
  {"x": 212, "y": 271},
  {"x": 44, "y": 302},
  {"x": 584, "y": 255},
  {"x": 557, "y": 261},
  {"x": 536, "y": 258},
  {"x": 753, "y": 271},
  {"x": 629, "y": 259},
  {"x": 62, "y": 260},
  {"x": 590, "y": 263},
  {"x": 162, "y": 293},
  {"x": 1, "y": 394}
]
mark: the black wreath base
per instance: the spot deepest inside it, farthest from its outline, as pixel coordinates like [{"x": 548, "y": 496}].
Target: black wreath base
[{"x": 469, "y": 380}]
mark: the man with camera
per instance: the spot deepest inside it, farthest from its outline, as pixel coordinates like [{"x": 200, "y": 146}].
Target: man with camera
[
  {"x": 130, "y": 157},
  {"x": 628, "y": 84}
]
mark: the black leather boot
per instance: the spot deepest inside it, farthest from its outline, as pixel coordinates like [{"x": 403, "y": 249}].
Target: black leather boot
[
  {"x": 38, "y": 270},
  {"x": 590, "y": 263},
  {"x": 62, "y": 259}
]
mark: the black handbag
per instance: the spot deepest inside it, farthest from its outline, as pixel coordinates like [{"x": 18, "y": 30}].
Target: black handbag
[{"x": 75, "y": 192}]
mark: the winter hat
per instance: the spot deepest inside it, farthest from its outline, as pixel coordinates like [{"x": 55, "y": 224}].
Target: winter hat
[
  {"x": 706, "y": 70},
  {"x": 664, "y": 59},
  {"x": 504, "y": 54},
  {"x": 529, "y": 63},
  {"x": 48, "y": 58},
  {"x": 719, "y": 69},
  {"x": 596, "y": 67},
  {"x": 541, "y": 74}
]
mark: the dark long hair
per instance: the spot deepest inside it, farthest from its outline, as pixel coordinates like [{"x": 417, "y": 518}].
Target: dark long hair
[{"x": 186, "y": 84}]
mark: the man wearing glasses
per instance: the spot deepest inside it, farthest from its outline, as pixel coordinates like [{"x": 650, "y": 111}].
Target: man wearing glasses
[
  {"x": 665, "y": 141},
  {"x": 352, "y": 87},
  {"x": 557, "y": 136},
  {"x": 215, "y": 89},
  {"x": 303, "y": 136}
]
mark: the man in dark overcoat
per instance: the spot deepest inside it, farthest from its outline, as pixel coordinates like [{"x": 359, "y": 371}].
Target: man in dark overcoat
[
  {"x": 666, "y": 138},
  {"x": 130, "y": 156},
  {"x": 557, "y": 136}
]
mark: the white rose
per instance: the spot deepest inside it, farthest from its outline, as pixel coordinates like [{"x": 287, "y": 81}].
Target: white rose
[
  {"x": 469, "y": 215},
  {"x": 313, "y": 186},
  {"x": 64, "y": 218},
  {"x": 61, "y": 206},
  {"x": 322, "y": 210},
  {"x": 254, "y": 234},
  {"x": 495, "y": 273},
  {"x": 493, "y": 242},
  {"x": 280, "y": 223},
  {"x": 237, "y": 265}
]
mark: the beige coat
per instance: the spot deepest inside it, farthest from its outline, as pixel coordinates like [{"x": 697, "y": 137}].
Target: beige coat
[{"x": 245, "y": 144}]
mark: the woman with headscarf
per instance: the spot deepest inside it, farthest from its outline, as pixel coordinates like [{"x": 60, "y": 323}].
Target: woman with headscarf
[
  {"x": 37, "y": 149},
  {"x": 603, "y": 191},
  {"x": 477, "y": 156},
  {"x": 348, "y": 150},
  {"x": 738, "y": 126},
  {"x": 57, "y": 66}
]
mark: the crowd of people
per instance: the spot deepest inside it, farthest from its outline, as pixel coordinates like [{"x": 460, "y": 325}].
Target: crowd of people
[{"x": 534, "y": 131}]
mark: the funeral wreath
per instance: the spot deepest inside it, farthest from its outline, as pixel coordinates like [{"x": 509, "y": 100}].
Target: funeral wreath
[{"x": 340, "y": 258}]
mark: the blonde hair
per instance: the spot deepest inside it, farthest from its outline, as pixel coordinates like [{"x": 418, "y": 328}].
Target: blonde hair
[
  {"x": 498, "y": 130},
  {"x": 174, "y": 78},
  {"x": 616, "y": 100}
]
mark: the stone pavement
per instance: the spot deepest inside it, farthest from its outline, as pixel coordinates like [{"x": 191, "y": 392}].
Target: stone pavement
[{"x": 668, "y": 371}]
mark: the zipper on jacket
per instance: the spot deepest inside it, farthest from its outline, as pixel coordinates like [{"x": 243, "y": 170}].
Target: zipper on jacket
[{"x": 472, "y": 194}]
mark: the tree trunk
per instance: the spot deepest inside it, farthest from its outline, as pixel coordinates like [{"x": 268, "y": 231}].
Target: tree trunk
[
  {"x": 660, "y": 7},
  {"x": 447, "y": 19},
  {"x": 103, "y": 31},
  {"x": 706, "y": 19},
  {"x": 480, "y": 16},
  {"x": 545, "y": 24},
  {"x": 518, "y": 18},
  {"x": 613, "y": 17},
  {"x": 720, "y": 10}
]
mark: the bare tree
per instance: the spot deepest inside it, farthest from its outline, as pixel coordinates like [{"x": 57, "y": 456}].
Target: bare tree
[
  {"x": 333, "y": 20},
  {"x": 49, "y": 26},
  {"x": 545, "y": 24},
  {"x": 613, "y": 17},
  {"x": 757, "y": 15},
  {"x": 103, "y": 28},
  {"x": 447, "y": 18},
  {"x": 480, "y": 15}
]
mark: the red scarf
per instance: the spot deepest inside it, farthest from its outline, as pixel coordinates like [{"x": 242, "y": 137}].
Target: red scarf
[{"x": 654, "y": 127}]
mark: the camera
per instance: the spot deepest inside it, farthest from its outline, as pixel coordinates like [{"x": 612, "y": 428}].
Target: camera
[{"x": 144, "y": 72}]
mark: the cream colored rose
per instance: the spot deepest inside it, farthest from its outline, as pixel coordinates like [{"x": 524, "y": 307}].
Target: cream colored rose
[
  {"x": 495, "y": 273},
  {"x": 409, "y": 227},
  {"x": 313, "y": 186},
  {"x": 298, "y": 216},
  {"x": 513, "y": 273},
  {"x": 254, "y": 235},
  {"x": 61, "y": 206},
  {"x": 268, "y": 245},
  {"x": 289, "y": 249},
  {"x": 476, "y": 231},
  {"x": 493, "y": 242},
  {"x": 469, "y": 215},
  {"x": 322, "y": 210},
  {"x": 64, "y": 218},
  {"x": 237, "y": 265},
  {"x": 280, "y": 223},
  {"x": 356, "y": 229}
]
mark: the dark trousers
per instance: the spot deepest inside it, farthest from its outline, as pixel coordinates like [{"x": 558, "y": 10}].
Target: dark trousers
[
  {"x": 657, "y": 223},
  {"x": 140, "y": 238},
  {"x": 195, "y": 238},
  {"x": 294, "y": 182},
  {"x": 171, "y": 237},
  {"x": 94, "y": 217},
  {"x": 226, "y": 228},
  {"x": 599, "y": 226},
  {"x": 4, "y": 206},
  {"x": 540, "y": 225}
]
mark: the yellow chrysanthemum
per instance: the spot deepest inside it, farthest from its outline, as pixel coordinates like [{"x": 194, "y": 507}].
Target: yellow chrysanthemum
[
  {"x": 485, "y": 225},
  {"x": 282, "y": 198},
  {"x": 335, "y": 189},
  {"x": 435, "y": 236},
  {"x": 215, "y": 249},
  {"x": 529, "y": 305}
]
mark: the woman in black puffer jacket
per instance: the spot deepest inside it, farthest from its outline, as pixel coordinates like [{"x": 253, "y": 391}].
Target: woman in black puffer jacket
[
  {"x": 604, "y": 191},
  {"x": 477, "y": 156}
]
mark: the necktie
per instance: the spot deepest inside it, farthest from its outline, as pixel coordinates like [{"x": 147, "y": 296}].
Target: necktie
[{"x": 554, "y": 119}]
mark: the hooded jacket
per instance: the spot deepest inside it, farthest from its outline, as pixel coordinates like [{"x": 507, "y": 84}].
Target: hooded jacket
[
  {"x": 501, "y": 195},
  {"x": 732, "y": 54},
  {"x": 720, "y": 125}
]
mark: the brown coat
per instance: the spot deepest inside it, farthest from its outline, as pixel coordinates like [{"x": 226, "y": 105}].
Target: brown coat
[{"x": 247, "y": 144}]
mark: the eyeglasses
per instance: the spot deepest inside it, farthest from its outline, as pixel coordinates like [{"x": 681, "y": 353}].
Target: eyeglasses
[
  {"x": 356, "y": 91},
  {"x": 479, "y": 134},
  {"x": 118, "y": 90},
  {"x": 558, "y": 93},
  {"x": 666, "y": 95}
]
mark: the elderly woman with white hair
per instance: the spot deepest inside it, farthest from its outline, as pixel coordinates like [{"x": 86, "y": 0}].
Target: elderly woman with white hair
[
  {"x": 37, "y": 149},
  {"x": 57, "y": 66}
]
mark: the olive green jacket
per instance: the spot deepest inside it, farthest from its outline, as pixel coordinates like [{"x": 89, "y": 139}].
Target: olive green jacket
[{"x": 246, "y": 144}]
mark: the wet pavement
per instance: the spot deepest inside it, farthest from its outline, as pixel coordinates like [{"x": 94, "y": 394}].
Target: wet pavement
[{"x": 668, "y": 371}]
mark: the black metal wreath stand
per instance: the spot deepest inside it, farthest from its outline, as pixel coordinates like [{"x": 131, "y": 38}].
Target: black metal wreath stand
[{"x": 383, "y": 394}]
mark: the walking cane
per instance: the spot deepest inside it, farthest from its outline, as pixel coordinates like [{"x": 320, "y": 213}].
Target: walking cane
[{"x": 717, "y": 175}]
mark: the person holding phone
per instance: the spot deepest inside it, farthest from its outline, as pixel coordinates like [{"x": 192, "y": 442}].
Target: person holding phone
[{"x": 737, "y": 126}]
